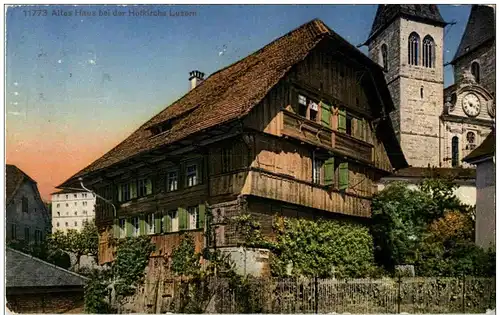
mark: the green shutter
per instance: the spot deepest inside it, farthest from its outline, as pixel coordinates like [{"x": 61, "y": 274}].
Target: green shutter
[
  {"x": 326, "y": 114},
  {"x": 343, "y": 176},
  {"x": 329, "y": 170},
  {"x": 342, "y": 120},
  {"x": 157, "y": 222},
  {"x": 149, "y": 186},
  {"x": 128, "y": 227},
  {"x": 201, "y": 216},
  {"x": 142, "y": 225},
  {"x": 167, "y": 222},
  {"x": 183, "y": 219},
  {"x": 116, "y": 228}
]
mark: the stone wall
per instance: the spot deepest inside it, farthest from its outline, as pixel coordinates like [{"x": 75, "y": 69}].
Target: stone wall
[
  {"x": 55, "y": 302},
  {"x": 485, "y": 56}
]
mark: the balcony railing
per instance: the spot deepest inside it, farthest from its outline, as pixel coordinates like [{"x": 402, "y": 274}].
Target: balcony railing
[{"x": 300, "y": 128}]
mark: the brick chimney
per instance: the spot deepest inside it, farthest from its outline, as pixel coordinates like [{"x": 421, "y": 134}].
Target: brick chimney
[{"x": 195, "y": 78}]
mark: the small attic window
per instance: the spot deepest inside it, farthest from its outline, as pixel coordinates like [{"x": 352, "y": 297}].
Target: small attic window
[{"x": 162, "y": 127}]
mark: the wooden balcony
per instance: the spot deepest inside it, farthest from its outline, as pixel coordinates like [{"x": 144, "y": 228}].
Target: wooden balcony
[{"x": 311, "y": 132}]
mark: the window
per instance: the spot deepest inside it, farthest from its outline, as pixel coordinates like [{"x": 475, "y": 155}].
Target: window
[
  {"x": 13, "y": 231},
  {"x": 471, "y": 140},
  {"x": 24, "y": 202},
  {"x": 302, "y": 106},
  {"x": 124, "y": 192},
  {"x": 66, "y": 205},
  {"x": 38, "y": 236},
  {"x": 475, "y": 70},
  {"x": 383, "y": 53},
  {"x": 454, "y": 151},
  {"x": 75, "y": 195},
  {"x": 57, "y": 224},
  {"x": 135, "y": 226},
  {"x": 349, "y": 125},
  {"x": 145, "y": 187},
  {"x": 192, "y": 218},
  {"x": 66, "y": 224},
  {"x": 84, "y": 212},
  {"x": 428, "y": 52},
  {"x": 76, "y": 223},
  {"x": 84, "y": 203},
  {"x": 172, "y": 181},
  {"x": 226, "y": 159},
  {"x": 174, "y": 221},
  {"x": 313, "y": 111},
  {"x": 317, "y": 164},
  {"x": 27, "y": 234},
  {"x": 192, "y": 175},
  {"x": 58, "y": 214},
  {"x": 421, "y": 92},
  {"x": 58, "y": 205},
  {"x": 66, "y": 196},
  {"x": 413, "y": 42},
  {"x": 150, "y": 223},
  {"x": 121, "y": 224},
  {"x": 76, "y": 203}
]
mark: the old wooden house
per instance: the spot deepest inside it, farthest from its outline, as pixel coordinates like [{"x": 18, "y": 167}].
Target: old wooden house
[{"x": 298, "y": 128}]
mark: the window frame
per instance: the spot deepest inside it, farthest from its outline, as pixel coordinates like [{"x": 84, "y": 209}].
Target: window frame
[
  {"x": 428, "y": 52},
  {"x": 174, "y": 217},
  {"x": 27, "y": 234},
  {"x": 193, "y": 213},
  {"x": 136, "y": 226},
  {"x": 13, "y": 231},
  {"x": 123, "y": 228},
  {"x": 150, "y": 224},
  {"x": 189, "y": 176},
  {"x": 146, "y": 192},
  {"x": 176, "y": 172},
  {"x": 413, "y": 49},
  {"x": 455, "y": 151},
  {"x": 317, "y": 167},
  {"x": 384, "y": 54},
  {"x": 475, "y": 70}
]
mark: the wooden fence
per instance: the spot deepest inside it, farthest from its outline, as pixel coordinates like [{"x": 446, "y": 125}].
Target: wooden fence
[{"x": 403, "y": 295}]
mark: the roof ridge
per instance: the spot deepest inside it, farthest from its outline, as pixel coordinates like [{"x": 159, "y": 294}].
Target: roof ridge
[{"x": 47, "y": 263}]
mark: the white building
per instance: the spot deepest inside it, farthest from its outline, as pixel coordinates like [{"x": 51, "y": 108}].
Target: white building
[{"x": 71, "y": 208}]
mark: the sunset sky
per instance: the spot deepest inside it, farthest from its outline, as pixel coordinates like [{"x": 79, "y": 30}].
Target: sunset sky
[{"x": 76, "y": 86}]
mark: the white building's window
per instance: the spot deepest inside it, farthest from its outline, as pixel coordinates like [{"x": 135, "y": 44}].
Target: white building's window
[
  {"x": 471, "y": 140},
  {"x": 76, "y": 223},
  {"x": 66, "y": 224},
  {"x": 76, "y": 196},
  {"x": 58, "y": 205},
  {"x": 172, "y": 181},
  {"x": 58, "y": 224},
  {"x": 192, "y": 175}
]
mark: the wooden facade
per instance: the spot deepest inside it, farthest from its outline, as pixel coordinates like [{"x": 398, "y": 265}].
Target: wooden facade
[{"x": 312, "y": 147}]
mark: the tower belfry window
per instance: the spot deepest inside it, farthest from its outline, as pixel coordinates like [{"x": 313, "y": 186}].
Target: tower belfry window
[
  {"x": 428, "y": 52},
  {"x": 413, "y": 43},
  {"x": 383, "y": 52}
]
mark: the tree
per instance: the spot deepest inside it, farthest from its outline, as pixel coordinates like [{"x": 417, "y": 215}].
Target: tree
[
  {"x": 399, "y": 215},
  {"x": 84, "y": 242}
]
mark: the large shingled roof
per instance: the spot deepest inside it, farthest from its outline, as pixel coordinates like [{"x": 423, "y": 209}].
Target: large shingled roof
[
  {"x": 231, "y": 93},
  {"x": 22, "y": 270},
  {"x": 386, "y": 13},
  {"x": 480, "y": 29}
]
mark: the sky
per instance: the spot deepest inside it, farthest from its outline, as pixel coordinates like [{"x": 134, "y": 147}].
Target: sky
[{"x": 80, "y": 79}]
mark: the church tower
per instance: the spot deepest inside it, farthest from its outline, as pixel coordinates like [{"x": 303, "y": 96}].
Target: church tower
[{"x": 407, "y": 40}]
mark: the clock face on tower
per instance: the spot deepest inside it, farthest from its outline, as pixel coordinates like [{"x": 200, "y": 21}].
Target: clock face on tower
[{"x": 471, "y": 105}]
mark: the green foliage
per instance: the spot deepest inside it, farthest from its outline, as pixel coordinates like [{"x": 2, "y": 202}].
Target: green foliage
[
  {"x": 323, "y": 249},
  {"x": 132, "y": 257},
  {"x": 429, "y": 228},
  {"x": 44, "y": 251},
  {"x": 185, "y": 261},
  {"x": 96, "y": 293},
  {"x": 399, "y": 215},
  {"x": 84, "y": 242}
]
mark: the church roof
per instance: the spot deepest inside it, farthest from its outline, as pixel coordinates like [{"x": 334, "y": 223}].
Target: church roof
[
  {"x": 480, "y": 29},
  {"x": 486, "y": 149},
  {"x": 387, "y": 13}
]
